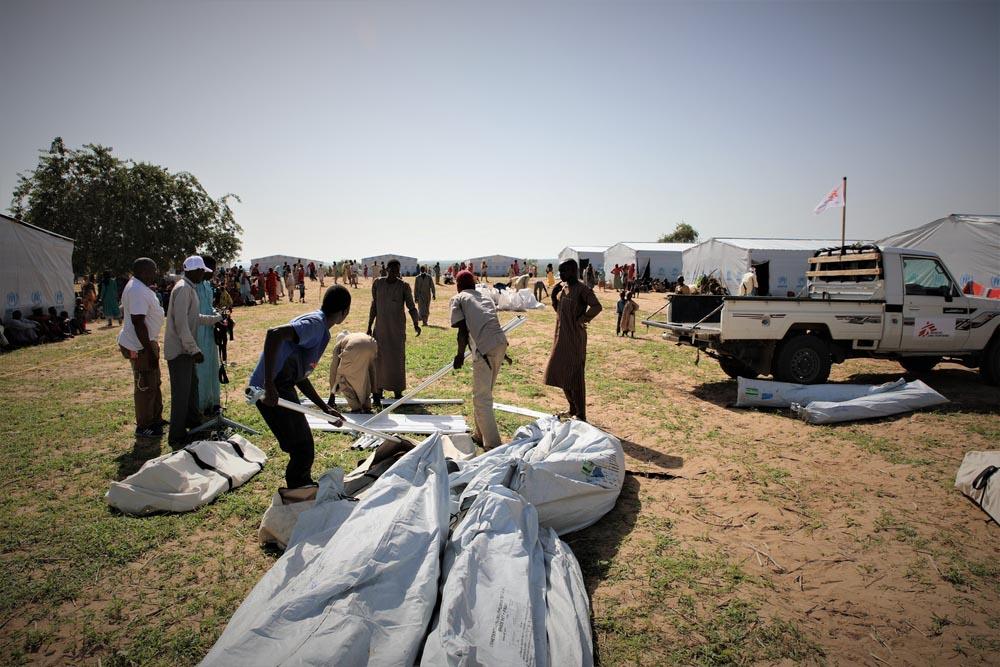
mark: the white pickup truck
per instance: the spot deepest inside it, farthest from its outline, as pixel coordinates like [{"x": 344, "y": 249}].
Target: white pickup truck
[{"x": 862, "y": 301}]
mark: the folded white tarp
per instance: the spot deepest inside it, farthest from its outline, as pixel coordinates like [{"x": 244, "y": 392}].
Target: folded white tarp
[
  {"x": 359, "y": 594},
  {"x": 188, "y": 478},
  {"x": 911, "y": 396},
  {"x": 397, "y": 423},
  {"x": 511, "y": 299},
  {"x": 979, "y": 478},
  {"x": 567, "y": 609},
  {"x": 770, "y": 394},
  {"x": 492, "y": 609},
  {"x": 571, "y": 472}
]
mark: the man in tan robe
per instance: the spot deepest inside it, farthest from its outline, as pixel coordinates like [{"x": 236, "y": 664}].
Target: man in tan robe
[
  {"x": 423, "y": 290},
  {"x": 353, "y": 370},
  {"x": 390, "y": 295},
  {"x": 575, "y": 305}
]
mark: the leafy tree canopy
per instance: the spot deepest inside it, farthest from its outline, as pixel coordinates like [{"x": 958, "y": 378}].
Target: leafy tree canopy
[
  {"x": 117, "y": 210},
  {"x": 683, "y": 233}
]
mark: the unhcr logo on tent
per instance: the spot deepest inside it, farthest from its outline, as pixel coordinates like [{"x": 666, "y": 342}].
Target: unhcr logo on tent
[
  {"x": 59, "y": 298},
  {"x": 11, "y": 298},
  {"x": 36, "y": 298}
]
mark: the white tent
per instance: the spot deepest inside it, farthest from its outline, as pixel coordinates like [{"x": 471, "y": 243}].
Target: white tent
[
  {"x": 496, "y": 265},
  {"x": 36, "y": 268},
  {"x": 272, "y": 261},
  {"x": 783, "y": 262},
  {"x": 664, "y": 259},
  {"x": 594, "y": 254},
  {"x": 968, "y": 244},
  {"x": 407, "y": 265}
]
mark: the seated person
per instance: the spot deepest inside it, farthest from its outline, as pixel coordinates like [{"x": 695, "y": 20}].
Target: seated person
[
  {"x": 48, "y": 329},
  {"x": 21, "y": 331},
  {"x": 681, "y": 288},
  {"x": 60, "y": 320},
  {"x": 79, "y": 321}
]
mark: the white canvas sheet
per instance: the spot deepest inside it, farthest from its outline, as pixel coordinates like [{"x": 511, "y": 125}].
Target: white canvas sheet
[
  {"x": 36, "y": 269},
  {"x": 397, "y": 423},
  {"x": 571, "y": 472},
  {"x": 492, "y": 609},
  {"x": 567, "y": 613},
  {"x": 359, "y": 594},
  {"x": 979, "y": 478},
  {"x": 509, "y": 299},
  {"x": 176, "y": 483},
  {"x": 770, "y": 394},
  {"x": 911, "y": 396}
]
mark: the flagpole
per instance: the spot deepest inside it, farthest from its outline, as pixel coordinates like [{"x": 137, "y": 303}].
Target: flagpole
[{"x": 843, "y": 219}]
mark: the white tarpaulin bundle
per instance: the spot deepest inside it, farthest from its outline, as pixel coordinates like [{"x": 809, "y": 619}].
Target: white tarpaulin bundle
[
  {"x": 911, "y": 396},
  {"x": 979, "y": 478},
  {"x": 770, "y": 394},
  {"x": 361, "y": 593},
  {"x": 511, "y": 299},
  {"x": 513, "y": 593},
  {"x": 571, "y": 472},
  {"x": 188, "y": 478},
  {"x": 36, "y": 268}
]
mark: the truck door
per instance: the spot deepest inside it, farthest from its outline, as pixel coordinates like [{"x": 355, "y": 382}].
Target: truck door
[{"x": 931, "y": 306}]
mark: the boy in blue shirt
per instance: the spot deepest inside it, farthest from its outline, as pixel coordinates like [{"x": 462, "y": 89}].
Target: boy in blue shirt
[{"x": 290, "y": 354}]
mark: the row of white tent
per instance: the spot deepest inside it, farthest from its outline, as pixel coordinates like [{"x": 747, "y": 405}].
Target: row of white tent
[{"x": 968, "y": 244}]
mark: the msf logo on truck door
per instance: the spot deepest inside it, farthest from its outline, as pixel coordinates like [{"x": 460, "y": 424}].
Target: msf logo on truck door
[{"x": 936, "y": 328}]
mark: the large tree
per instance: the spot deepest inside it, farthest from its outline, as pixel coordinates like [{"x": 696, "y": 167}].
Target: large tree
[
  {"x": 117, "y": 210},
  {"x": 683, "y": 233}
]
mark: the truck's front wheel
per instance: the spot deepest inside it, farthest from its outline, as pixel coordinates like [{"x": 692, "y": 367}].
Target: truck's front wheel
[
  {"x": 803, "y": 359},
  {"x": 735, "y": 368}
]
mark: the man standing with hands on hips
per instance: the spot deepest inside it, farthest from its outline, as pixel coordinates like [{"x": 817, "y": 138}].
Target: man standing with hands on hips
[
  {"x": 475, "y": 317},
  {"x": 180, "y": 347},
  {"x": 575, "y": 305}
]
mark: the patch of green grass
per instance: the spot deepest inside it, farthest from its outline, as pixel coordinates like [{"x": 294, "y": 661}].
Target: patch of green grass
[{"x": 890, "y": 450}]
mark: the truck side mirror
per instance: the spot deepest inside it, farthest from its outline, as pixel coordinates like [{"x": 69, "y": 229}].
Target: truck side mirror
[{"x": 948, "y": 295}]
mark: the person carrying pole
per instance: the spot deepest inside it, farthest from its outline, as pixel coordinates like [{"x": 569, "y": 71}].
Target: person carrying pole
[
  {"x": 475, "y": 317},
  {"x": 290, "y": 354}
]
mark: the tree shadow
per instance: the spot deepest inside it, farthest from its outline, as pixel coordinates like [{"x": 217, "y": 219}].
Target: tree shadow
[{"x": 143, "y": 450}]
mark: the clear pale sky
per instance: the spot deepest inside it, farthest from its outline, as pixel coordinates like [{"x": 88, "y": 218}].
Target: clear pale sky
[{"x": 448, "y": 130}]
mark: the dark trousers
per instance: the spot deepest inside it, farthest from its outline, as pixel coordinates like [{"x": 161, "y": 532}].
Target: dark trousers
[
  {"x": 183, "y": 397},
  {"x": 576, "y": 396},
  {"x": 146, "y": 390},
  {"x": 294, "y": 437}
]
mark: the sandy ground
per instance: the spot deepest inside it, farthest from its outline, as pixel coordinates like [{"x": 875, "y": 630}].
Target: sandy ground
[{"x": 852, "y": 534}]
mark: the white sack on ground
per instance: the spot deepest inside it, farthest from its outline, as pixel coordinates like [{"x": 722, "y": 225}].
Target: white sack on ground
[
  {"x": 492, "y": 609},
  {"x": 572, "y": 472},
  {"x": 360, "y": 594},
  {"x": 979, "y": 478},
  {"x": 188, "y": 478},
  {"x": 912, "y": 396},
  {"x": 770, "y": 394},
  {"x": 567, "y": 615}
]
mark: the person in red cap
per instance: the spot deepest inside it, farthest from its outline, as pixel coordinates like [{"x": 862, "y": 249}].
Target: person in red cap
[{"x": 475, "y": 317}]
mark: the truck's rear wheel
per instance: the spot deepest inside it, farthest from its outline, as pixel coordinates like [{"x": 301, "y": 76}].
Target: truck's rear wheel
[
  {"x": 804, "y": 360},
  {"x": 919, "y": 364},
  {"x": 735, "y": 368},
  {"x": 989, "y": 366}
]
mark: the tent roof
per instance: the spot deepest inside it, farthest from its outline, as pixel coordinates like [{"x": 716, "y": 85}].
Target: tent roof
[
  {"x": 392, "y": 254},
  {"x": 38, "y": 229},
  {"x": 645, "y": 246},
  {"x": 587, "y": 248},
  {"x": 780, "y": 244},
  {"x": 944, "y": 225}
]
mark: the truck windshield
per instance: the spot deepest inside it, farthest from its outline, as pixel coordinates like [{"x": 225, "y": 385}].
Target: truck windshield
[{"x": 924, "y": 276}]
